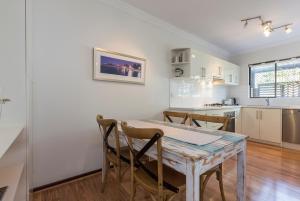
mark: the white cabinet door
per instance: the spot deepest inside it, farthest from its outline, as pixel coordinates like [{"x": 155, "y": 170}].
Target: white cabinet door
[
  {"x": 217, "y": 67},
  {"x": 250, "y": 122},
  {"x": 229, "y": 75},
  {"x": 199, "y": 65},
  {"x": 270, "y": 125},
  {"x": 232, "y": 74},
  {"x": 236, "y": 75}
]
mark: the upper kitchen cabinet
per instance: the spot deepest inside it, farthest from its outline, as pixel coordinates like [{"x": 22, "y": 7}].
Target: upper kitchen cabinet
[
  {"x": 192, "y": 64},
  {"x": 217, "y": 68},
  {"x": 232, "y": 74}
]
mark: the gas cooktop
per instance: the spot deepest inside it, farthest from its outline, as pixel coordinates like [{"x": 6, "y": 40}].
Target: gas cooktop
[{"x": 214, "y": 105}]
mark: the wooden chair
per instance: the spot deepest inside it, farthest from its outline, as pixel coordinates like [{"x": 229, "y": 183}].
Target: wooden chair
[
  {"x": 204, "y": 178},
  {"x": 194, "y": 118},
  {"x": 181, "y": 115},
  {"x": 118, "y": 156},
  {"x": 162, "y": 182}
]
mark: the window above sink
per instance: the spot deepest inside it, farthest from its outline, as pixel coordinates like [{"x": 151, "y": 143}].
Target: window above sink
[{"x": 275, "y": 79}]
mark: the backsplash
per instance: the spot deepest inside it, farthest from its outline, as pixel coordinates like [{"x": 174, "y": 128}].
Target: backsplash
[{"x": 193, "y": 93}]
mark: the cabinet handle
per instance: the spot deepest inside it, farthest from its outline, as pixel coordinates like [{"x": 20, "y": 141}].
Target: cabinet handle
[
  {"x": 261, "y": 115},
  {"x": 256, "y": 114}
]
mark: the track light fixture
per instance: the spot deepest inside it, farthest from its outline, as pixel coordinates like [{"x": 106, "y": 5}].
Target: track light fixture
[{"x": 267, "y": 25}]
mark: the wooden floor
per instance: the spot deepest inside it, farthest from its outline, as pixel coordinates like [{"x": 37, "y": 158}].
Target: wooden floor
[{"x": 273, "y": 174}]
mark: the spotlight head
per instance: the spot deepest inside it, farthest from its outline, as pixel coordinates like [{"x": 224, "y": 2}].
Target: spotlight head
[{"x": 288, "y": 30}]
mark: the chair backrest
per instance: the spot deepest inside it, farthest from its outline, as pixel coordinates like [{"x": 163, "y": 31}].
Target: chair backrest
[
  {"x": 146, "y": 133},
  {"x": 181, "y": 115},
  {"x": 213, "y": 119},
  {"x": 108, "y": 125}
]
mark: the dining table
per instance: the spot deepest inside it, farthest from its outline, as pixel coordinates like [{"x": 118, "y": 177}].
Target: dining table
[{"x": 192, "y": 151}]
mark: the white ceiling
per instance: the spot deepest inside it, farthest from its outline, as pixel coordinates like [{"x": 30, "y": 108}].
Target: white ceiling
[{"x": 218, "y": 21}]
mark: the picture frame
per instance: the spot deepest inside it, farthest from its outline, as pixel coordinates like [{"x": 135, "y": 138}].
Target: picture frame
[{"x": 118, "y": 67}]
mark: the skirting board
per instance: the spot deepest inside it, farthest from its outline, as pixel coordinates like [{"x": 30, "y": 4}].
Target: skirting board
[
  {"x": 291, "y": 146},
  {"x": 40, "y": 188},
  {"x": 265, "y": 142}
]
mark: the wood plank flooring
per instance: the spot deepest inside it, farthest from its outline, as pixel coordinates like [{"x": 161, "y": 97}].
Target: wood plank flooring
[{"x": 273, "y": 174}]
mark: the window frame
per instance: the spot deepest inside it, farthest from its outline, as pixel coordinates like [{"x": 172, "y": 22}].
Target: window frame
[{"x": 275, "y": 62}]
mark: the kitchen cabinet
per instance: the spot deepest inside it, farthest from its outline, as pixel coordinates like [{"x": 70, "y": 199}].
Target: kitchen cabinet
[
  {"x": 217, "y": 68},
  {"x": 262, "y": 124},
  {"x": 192, "y": 64},
  {"x": 250, "y": 122},
  {"x": 200, "y": 64},
  {"x": 231, "y": 74},
  {"x": 270, "y": 125}
]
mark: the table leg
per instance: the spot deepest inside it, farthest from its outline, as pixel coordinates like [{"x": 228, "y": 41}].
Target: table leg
[
  {"x": 193, "y": 182},
  {"x": 241, "y": 174}
]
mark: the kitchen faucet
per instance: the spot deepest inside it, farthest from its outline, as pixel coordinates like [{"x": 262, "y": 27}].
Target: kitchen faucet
[{"x": 268, "y": 101}]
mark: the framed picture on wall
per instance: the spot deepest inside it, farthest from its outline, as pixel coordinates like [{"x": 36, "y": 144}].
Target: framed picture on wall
[{"x": 117, "y": 67}]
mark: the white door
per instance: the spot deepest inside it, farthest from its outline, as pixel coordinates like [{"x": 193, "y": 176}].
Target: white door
[
  {"x": 270, "y": 125},
  {"x": 250, "y": 122}
]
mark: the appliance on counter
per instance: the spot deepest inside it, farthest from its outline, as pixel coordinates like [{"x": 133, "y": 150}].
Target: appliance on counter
[
  {"x": 291, "y": 126},
  {"x": 230, "y": 101}
]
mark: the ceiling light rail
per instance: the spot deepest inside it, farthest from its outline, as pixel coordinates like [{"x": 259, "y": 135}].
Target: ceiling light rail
[{"x": 267, "y": 25}]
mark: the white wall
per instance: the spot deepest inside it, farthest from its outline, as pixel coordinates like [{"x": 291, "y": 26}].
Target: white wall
[
  {"x": 66, "y": 99},
  {"x": 273, "y": 53},
  {"x": 194, "y": 94},
  {"x": 13, "y": 83},
  {"x": 12, "y": 60}
]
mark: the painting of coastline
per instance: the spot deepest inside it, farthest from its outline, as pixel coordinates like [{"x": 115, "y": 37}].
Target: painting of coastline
[
  {"x": 120, "y": 67},
  {"x": 117, "y": 67}
]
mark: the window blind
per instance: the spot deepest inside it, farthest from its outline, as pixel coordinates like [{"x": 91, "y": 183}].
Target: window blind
[{"x": 276, "y": 79}]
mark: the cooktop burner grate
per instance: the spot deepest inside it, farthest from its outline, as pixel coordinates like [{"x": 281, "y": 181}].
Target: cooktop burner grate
[{"x": 214, "y": 105}]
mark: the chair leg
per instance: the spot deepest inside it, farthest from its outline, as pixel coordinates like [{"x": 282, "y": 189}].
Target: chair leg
[
  {"x": 201, "y": 187},
  {"x": 104, "y": 177},
  {"x": 132, "y": 189},
  {"x": 220, "y": 179},
  {"x": 118, "y": 173},
  {"x": 170, "y": 198},
  {"x": 204, "y": 181}
]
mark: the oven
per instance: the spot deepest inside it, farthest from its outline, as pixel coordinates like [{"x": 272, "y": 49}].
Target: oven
[{"x": 231, "y": 123}]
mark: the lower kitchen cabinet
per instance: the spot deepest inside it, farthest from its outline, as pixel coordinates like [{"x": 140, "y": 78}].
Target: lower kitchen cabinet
[
  {"x": 250, "y": 123},
  {"x": 262, "y": 124},
  {"x": 270, "y": 125}
]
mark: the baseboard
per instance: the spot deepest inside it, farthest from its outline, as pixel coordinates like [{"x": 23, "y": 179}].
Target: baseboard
[
  {"x": 265, "y": 142},
  {"x": 40, "y": 188},
  {"x": 291, "y": 146}
]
